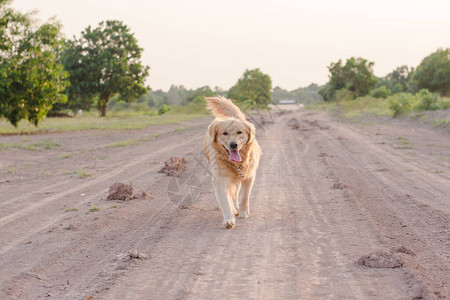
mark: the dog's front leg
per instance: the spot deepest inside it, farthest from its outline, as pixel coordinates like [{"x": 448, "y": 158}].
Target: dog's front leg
[
  {"x": 223, "y": 194},
  {"x": 244, "y": 205},
  {"x": 235, "y": 198}
]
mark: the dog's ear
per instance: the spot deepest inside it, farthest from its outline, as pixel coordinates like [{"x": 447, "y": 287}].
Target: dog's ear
[
  {"x": 250, "y": 132},
  {"x": 213, "y": 131}
]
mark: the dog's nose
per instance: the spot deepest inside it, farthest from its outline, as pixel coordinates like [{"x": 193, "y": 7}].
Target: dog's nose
[{"x": 233, "y": 145}]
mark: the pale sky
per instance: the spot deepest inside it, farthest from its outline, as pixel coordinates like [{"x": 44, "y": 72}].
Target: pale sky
[{"x": 209, "y": 42}]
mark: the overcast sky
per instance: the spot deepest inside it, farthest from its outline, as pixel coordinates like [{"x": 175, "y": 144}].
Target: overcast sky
[{"x": 208, "y": 42}]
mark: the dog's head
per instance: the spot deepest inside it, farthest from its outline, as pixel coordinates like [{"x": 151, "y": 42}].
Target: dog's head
[{"x": 232, "y": 135}]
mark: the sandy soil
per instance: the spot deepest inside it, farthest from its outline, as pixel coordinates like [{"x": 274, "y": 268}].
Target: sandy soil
[{"x": 339, "y": 211}]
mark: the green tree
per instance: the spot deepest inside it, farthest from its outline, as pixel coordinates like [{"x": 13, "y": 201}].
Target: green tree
[
  {"x": 380, "y": 92},
  {"x": 103, "y": 62},
  {"x": 433, "y": 73},
  {"x": 204, "y": 91},
  {"x": 356, "y": 76},
  {"x": 31, "y": 79},
  {"x": 399, "y": 80},
  {"x": 253, "y": 87}
]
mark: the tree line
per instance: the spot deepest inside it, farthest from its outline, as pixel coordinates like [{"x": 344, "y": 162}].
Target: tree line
[
  {"x": 41, "y": 71},
  {"x": 253, "y": 89},
  {"x": 355, "y": 78}
]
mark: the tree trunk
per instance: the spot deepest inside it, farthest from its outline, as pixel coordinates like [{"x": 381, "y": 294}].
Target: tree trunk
[
  {"x": 102, "y": 106},
  {"x": 103, "y": 110}
]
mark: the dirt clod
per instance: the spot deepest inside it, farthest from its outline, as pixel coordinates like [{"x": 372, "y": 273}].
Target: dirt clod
[
  {"x": 315, "y": 123},
  {"x": 339, "y": 186},
  {"x": 121, "y": 191},
  {"x": 174, "y": 167},
  {"x": 402, "y": 249},
  {"x": 293, "y": 124},
  {"x": 381, "y": 259},
  {"x": 137, "y": 255},
  {"x": 71, "y": 227}
]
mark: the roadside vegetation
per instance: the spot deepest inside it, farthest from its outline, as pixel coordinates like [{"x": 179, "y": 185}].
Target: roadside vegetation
[
  {"x": 353, "y": 90},
  {"x": 125, "y": 120}
]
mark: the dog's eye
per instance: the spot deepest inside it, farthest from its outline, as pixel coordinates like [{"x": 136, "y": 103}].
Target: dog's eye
[
  {"x": 225, "y": 133},
  {"x": 239, "y": 132}
]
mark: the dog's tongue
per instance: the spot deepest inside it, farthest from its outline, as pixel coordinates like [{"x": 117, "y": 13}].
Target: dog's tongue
[{"x": 234, "y": 155}]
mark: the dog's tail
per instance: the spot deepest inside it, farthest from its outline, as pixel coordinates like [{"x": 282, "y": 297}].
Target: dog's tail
[{"x": 222, "y": 107}]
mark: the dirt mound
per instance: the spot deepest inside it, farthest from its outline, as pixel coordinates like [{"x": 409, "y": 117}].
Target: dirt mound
[
  {"x": 293, "y": 124},
  {"x": 121, "y": 191},
  {"x": 339, "y": 186},
  {"x": 403, "y": 249},
  {"x": 174, "y": 167},
  {"x": 381, "y": 259},
  {"x": 315, "y": 123}
]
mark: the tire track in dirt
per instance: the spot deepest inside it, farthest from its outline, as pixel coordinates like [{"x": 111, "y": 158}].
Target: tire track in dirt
[
  {"x": 38, "y": 191},
  {"x": 336, "y": 241},
  {"x": 102, "y": 178},
  {"x": 375, "y": 154},
  {"x": 20, "y": 197},
  {"x": 48, "y": 200},
  {"x": 401, "y": 218},
  {"x": 100, "y": 269}
]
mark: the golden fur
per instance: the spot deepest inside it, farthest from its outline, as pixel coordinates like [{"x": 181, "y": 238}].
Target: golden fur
[{"x": 233, "y": 180}]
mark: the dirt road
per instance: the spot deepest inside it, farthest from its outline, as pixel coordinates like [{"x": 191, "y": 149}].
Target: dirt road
[{"x": 339, "y": 211}]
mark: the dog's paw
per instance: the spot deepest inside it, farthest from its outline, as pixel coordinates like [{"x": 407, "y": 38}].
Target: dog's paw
[
  {"x": 229, "y": 223},
  {"x": 243, "y": 214}
]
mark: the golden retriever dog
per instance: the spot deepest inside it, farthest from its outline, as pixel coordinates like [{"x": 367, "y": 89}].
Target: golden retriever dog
[{"x": 233, "y": 154}]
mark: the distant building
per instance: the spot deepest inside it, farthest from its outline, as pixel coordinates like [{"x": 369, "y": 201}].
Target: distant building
[{"x": 287, "y": 102}]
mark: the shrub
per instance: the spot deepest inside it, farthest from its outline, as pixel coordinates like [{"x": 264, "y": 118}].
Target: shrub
[
  {"x": 380, "y": 92},
  {"x": 344, "y": 94},
  {"x": 427, "y": 100},
  {"x": 443, "y": 104},
  {"x": 164, "y": 109},
  {"x": 400, "y": 103},
  {"x": 199, "y": 100}
]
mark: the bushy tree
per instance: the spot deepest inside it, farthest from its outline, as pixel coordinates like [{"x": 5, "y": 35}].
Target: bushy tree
[
  {"x": 204, "y": 91},
  {"x": 103, "y": 62},
  {"x": 433, "y": 73},
  {"x": 399, "y": 80},
  {"x": 400, "y": 103},
  {"x": 253, "y": 87},
  {"x": 31, "y": 79},
  {"x": 327, "y": 92},
  {"x": 427, "y": 100},
  {"x": 380, "y": 92},
  {"x": 356, "y": 76}
]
